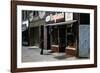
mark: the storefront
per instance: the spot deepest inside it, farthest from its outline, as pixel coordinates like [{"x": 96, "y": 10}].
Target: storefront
[{"x": 56, "y": 31}]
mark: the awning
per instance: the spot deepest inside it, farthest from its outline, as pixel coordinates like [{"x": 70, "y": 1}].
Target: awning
[{"x": 62, "y": 23}]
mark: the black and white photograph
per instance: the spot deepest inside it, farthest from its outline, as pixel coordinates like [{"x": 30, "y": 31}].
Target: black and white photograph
[{"x": 55, "y": 36}]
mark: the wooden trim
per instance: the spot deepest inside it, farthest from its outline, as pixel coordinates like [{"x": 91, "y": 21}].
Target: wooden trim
[
  {"x": 47, "y": 4},
  {"x": 95, "y": 36},
  {"x": 13, "y": 37}
]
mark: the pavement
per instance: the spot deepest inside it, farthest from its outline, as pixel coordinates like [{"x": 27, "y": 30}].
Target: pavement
[{"x": 32, "y": 54}]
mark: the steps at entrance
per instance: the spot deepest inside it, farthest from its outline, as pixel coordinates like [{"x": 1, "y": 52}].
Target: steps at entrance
[
  {"x": 55, "y": 48},
  {"x": 70, "y": 51}
]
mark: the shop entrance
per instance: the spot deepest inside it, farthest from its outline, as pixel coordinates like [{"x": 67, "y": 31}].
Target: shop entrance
[
  {"x": 63, "y": 38},
  {"x": 58, "y": 38}
]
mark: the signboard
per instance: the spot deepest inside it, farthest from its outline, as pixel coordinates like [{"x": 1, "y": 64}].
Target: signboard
[
  {"x": 55, "y": 17},
  {"x": 39, "y": 15},
  {"x": 68, "y": 16}
]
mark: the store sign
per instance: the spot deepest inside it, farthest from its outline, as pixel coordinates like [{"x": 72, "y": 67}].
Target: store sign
[
  {"x": 68, "y": 16},
  {"x": 41, "y": 14},
  {"x": 32, "y": 17},
  {"x": 55, "y": 17},
  {"x": 25, "y": 25}
]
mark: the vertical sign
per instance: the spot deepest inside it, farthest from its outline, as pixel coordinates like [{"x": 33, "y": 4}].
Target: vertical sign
[{"x": 68, "y": 16}]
